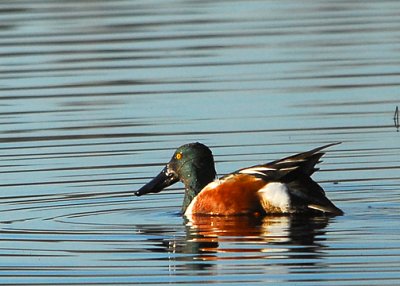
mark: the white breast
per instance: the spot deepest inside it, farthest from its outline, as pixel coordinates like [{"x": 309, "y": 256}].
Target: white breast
[{"x": 212, "y": 185}]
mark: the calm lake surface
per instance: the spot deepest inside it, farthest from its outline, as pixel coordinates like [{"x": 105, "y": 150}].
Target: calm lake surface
[{"x": 96, "y": 95}]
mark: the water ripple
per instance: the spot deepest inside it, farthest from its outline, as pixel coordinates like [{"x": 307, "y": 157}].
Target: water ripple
[{"x": 96, "y": 95}]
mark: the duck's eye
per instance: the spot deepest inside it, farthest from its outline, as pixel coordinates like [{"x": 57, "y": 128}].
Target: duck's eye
[{"x": 178, "y": 156}]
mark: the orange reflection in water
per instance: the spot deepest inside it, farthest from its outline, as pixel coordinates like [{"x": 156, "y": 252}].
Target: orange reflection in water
[{"x": 252, "y": 237}]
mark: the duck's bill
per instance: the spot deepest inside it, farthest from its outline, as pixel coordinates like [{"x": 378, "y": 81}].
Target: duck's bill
[{"x": 160, "y": 182}]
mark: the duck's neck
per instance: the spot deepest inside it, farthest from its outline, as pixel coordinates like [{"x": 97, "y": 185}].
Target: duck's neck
[{"x": 194, "y": 183}]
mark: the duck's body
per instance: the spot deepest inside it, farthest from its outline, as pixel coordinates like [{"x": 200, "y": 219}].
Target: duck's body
[{"x": 280, "y": 187}]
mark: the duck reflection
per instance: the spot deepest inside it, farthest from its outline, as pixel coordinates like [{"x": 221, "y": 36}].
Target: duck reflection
[
  {"x": 257, "y": 236},
  {"x": 214, "y": 238}
]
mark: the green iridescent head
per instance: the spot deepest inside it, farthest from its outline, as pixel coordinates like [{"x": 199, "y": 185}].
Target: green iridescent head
[{"x": 192, "y": 164}]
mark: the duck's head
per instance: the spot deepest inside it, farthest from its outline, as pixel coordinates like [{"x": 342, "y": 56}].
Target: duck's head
[{"x": 192, "y": 164}]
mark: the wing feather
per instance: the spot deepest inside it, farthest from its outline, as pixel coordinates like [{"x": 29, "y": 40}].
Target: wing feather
[{"x": 302, "y": 162}]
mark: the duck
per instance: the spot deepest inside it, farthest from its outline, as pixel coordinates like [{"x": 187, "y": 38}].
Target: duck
[{"x": 281, "y": 187}]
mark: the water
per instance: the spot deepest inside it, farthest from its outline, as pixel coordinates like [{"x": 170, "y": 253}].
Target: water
[{"x": 96, "y": 95}]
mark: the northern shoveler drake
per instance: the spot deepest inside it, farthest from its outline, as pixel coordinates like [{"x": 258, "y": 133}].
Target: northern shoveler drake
[{"x": 280, "y": 187}]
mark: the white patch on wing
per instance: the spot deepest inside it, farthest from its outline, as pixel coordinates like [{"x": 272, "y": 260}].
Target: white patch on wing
[
  {"x": 256, "y": 170},
  {"x": 289, "y": 168},
  {"x": 319, "y": 208},
  {"x": 277, "y": 195},
  {"x": 291, "y": 161}
]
